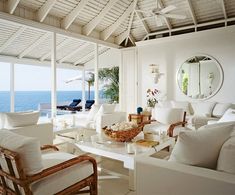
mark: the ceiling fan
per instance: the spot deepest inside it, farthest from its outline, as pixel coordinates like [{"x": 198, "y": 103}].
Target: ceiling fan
[{"x": 160, "y": 14}]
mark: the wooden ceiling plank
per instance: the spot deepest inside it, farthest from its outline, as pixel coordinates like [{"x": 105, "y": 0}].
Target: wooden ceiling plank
[
  {"x": 12, "y": 38},
  {"x": 68, "y": 20},
  {"x": 88, "y": 28},
  {"x": 74, "y": 52},
  {"x": 192, "y": 12},
  {"x": 44, "y": 10},
  {"x": 32, "y": 46},
  {"x": 11, "y": 5},
  {"x": 108, "y": 31},
  {"x": 224, "y": 9}
]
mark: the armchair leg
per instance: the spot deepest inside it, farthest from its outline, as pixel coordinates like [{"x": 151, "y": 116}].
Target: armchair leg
[{"x": 93, "y": 188}]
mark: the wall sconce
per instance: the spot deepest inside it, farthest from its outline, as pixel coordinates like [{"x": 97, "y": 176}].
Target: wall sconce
[{"x": 154, "y": 69}]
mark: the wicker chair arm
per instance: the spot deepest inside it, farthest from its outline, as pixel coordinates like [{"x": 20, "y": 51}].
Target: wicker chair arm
[
  {"x": 172, "y": 127},
  {"x": 47, "y": 147},
  {"x": 61, "y": 166}
]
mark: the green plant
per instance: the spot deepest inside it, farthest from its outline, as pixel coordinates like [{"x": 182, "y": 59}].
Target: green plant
[
  {"x": 110, "y": 76},
  {"x": 185, "y": 84}
]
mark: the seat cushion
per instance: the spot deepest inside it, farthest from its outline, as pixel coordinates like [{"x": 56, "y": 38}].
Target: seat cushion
[
  {"x": 62, "y": 179},
  {"x": 226, "y": 160},
  {"x": 201, "y": 148},
  {"x": 28, "y": 148},
  {"x": 220, "y": 109},
  {"x": 229, "y": 115}
]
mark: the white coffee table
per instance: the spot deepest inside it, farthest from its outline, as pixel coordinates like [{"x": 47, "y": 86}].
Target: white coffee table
[{"x": 117, "y": 151}]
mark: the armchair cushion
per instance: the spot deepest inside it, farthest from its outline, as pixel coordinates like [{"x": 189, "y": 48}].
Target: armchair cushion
[
  {"x": 226, "y": 160},
  {"x": 169, "y": 115},
  {"x": 201, "y": 148},
  {"x": 92, "y": 113},
  {"x": 63, "y": 178},
  {"x": 181, "y": 104},
  {"x": 28, "y": 148}
]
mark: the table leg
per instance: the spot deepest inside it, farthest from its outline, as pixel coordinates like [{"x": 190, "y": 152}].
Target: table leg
[{"x": 132, "y": 180}]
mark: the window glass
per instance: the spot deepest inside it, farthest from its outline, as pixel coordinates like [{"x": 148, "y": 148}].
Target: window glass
[{"x": 4, "y": 87}]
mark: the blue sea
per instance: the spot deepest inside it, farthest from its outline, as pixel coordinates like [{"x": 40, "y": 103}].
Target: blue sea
[{"x": 29, "y": 100}]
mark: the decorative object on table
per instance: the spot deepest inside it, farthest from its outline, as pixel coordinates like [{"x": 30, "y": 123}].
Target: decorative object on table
[
  {"x": 123, "y": 132},
  {"x": 152, "y": 97},
  {"x": 147, "y": 143},
  {"x": 139, "y": 110},
  {"x": 154, "y": 70},
  {"x": 139, "y": 118}
]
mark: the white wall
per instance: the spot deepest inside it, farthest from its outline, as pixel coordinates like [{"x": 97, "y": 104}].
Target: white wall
[{"x": 171, "y": 52}]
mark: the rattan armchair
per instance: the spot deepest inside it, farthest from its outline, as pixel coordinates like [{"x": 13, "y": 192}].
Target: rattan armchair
[{"x": 15, "y": 181}]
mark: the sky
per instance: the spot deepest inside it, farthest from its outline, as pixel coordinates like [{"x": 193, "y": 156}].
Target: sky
[{"x": 37, "y": 78}]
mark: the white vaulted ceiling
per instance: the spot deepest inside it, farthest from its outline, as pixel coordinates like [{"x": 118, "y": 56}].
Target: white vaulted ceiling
[{"x": 25, "y": 25}]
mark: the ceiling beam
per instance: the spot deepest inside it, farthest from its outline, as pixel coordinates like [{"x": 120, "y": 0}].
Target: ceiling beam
[
  {"x": 68, "y": 20},
  {"x": 88, "y": 28},
  {"x": 121, "y": 37},
  {"x": 49, "y": 28},
  {"x": 224, "y": 9},
  {"x": 11, "y": 5},
  {"x": 140, "y": 17},
  {"x": 192, "y": 12},
  {"x": 167, "y": 21},
  {"x": 58, "y": 47},
  {"x": 83, "y": 46},
  {"x": 108, "y": 31},
  {"x": 12, "y": 38},
  {"x": 44, "y": 10},
  {"x": 132, "y": 39},
  {"x": 34, "y": 45}
]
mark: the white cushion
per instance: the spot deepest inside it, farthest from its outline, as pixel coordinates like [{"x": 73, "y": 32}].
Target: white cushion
[
  {"x": 200, "y": 148},
  {"x": 62, "y": 179},
  {"x": 169, "y": 115},
  {"x": 181, "y": 104},
  {"x": 220, "y": 109},
  {"x": 20, "y": 119},
  {"x": 107, "y": 108},
  {"x": 226, "y": 160},
  {"x": 203, "y": 108},
  {"x": 229, "y": 115},
  {"x": 2, "y": 120},
  {"x": 27, "y": 147},
  {"x": 92, "y": 113},
  {"x": 164, "y": 104}
]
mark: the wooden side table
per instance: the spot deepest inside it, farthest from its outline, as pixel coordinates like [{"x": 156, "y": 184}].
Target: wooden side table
[{"x": 139, "y": 118}]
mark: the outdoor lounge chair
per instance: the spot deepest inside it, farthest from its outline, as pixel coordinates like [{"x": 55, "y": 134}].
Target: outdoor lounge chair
[
  {"x": 71, "y": 106},
  {"x": 88, "y": 105}
]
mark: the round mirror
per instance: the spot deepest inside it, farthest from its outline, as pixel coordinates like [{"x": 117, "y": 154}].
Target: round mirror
[{"x": 200, "y": 77}]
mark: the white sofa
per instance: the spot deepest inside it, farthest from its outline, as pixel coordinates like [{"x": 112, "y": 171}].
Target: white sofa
[{"x": 202, "y": 162}]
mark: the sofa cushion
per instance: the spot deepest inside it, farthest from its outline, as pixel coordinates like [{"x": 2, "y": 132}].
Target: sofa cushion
[
  {"x": 181, "y": 104},
  {"x": 220, "y": 109},
  {"x": 28, "y": 148},
  {"x": 201, "y": 148},
  {"x": 229, "y": 115},
  {"x": 63, "y": 178},
  {"x": 92, "y": 113},
  {"x": 169, "y": 115},
  {"x": 20, "y": 119},
  {"x": 226, "y": 160},
  {"x": 203, "y": 108}
]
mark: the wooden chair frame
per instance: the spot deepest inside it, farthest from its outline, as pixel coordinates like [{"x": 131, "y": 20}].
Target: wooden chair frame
[{"x": 24, "y": 180}]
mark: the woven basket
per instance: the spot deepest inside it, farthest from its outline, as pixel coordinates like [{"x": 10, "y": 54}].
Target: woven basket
[{"x": 123, "y": 136}]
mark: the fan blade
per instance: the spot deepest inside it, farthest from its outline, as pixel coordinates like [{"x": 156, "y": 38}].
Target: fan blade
[
  {"x": 158, "y": 21},
  {"x": 168, "y": 9},
  {"x": 176, "y": 16}
]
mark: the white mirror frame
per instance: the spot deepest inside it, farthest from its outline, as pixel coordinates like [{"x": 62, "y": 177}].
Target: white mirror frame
[{"x": 221, "y": 79}]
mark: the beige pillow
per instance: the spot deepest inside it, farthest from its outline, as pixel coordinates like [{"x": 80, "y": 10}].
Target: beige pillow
[
  {"x": 27, "y": 147},
  {"x": 201, "y": 148},
  {"x": 220, "y": 109},
  {"x": 20, "y": 119},
  {"x": 203, "y": 108},
  {"x": 226, "y": 160}
]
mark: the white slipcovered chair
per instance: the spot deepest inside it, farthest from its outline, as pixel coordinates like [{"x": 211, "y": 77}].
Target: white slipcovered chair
[
  {"x": 168, "y": 120},
  {"x": 25, "y": 170}
]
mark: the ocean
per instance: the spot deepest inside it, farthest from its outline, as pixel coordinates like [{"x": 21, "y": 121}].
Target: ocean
[{"x": 29, "y": 100}]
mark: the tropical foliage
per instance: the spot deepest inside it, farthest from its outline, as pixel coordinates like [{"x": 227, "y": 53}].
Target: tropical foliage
[{"x": 110, "y": 77}]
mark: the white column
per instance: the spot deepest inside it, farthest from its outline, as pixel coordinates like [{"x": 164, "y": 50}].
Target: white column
[
  {"x": 96, "y": 84},
  {"x": 53, "y": 76},
  {"x": 83, "y": 90},
  {"x": 12, "y": 86}
]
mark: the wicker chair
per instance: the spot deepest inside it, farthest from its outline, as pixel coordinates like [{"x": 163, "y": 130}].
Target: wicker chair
[{"x": 14, "y": 180}]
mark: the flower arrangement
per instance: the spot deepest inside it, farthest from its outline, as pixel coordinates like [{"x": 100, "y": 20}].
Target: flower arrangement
[{"x": 152, "y": 97}]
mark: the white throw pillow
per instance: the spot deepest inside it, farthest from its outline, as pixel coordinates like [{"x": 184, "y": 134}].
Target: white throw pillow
[
  {"x": 27, "y": 147},
  {"x": 226, "y": 160},
  {"x": 229, "y": 115},
  {"x": 203, "y": 108},
  {"x": 2, "y": 120},
  {"x": 108, "y": 108},
  {"x": 92, "y": 113},
  {"x": 201, "y": 148},
  {"x": 20, "y": 119},
  {"x": 220, "y": 109},
  {"x": 164, "y": 104},
  {"x": 169, "y": 115},
  {"x": 183, "y": 105}
]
